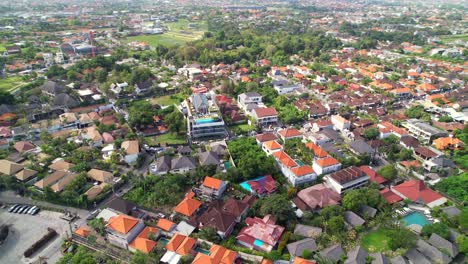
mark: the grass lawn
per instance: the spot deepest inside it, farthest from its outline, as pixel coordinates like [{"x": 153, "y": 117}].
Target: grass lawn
[
  {"x": 168, "y": 138},
  {"x": 450, "y": 38},
  {"x": 167, "y": 99},
  {"x": 10, "y": 83},
  {"x": 243, "y": 128},
  {"x": 178, "y": 34},
  {"x": 376, "y": 241}
]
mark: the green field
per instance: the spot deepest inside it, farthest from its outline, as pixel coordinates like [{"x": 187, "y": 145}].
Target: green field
[
  {"x": 11, "y": 83},
  {"x": 179, "y": 33},
  {"x": 167, "y": 100},
  {"x": 376, "y": 241},
  {"x": 451, "y": 38},
  {"x": 168, "y": 138}
]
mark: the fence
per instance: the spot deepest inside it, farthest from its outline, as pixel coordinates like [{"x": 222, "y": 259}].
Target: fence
[{"x": 113, "y": 253}]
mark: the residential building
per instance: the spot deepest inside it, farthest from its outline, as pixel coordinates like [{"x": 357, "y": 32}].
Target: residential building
[
  {"x": 100, "y": 175},
  {"x": 217, "y": 255},
  {"x": 298, "y": 247},
  {"x": 145, "y": 240},
  {"x": 285, "y": 87},
  {"x": 373, "y": 175},
  {"x": 188, "y": 206},
  {"x": 340, "y": 123},
  {"x": 260, "y": 234},
  {"x": 132, "y": 151},
  {"x": 262, "y": 138},
  {"x": 417, "y": 192},
  {"x": 270, "y": 147},
  {"x": 450, "y": 143},
  {"x": 444, "y": 245},
  {"x": 317, "y": 197},
  {"x": 245, "y": 99},
  {"x": 423, "y": 131},
  {"x": 326, "y": 165},
  {"x": 347, "y": 179},
  {"x": 265, "y": 116},
  {"x": 332, "y": 253},
  {"x": 203, "y": 117},
  {"x": 289, "y": 133},
  {"x": 177, "y": 247},
  {"x": 213, "y": 187},
  {"x": 122, "y": 229},
  {"x": 296, "y": 174},
  {"x": 262, "y": 186}
]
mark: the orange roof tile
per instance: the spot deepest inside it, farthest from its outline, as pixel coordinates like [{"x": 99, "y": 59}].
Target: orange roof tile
[
  {"x": 188, "y": 206},
  {"x": 175, "y": 242},
  {"x": 122, "y": 223},
  {"x": 147, "y": 230},
  {"x": 272, "y": 145},
  {"x": 298, "y": 260},
  {"x": 302, "y": 170},
  {"x": 82, "y": 231},
  {"x": 165, "y": 224},
  {"x": 282, "y": 157},
  {"x": 212, "y": 183},
  {"x": 290, "y": 132},
  {"x": 186, "y": 246},
  {"x": 318, "y": 151},
  {"x": 143, "y": 244},
  {"x": 326, "y": 162}
]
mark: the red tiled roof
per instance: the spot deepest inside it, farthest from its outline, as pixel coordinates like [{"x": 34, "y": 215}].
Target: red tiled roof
[
  {"x": 373, "y": 175},
  {"x": 284, "y": 158},
  {"x": 289, "y": 133},
  {"x": 212, "y": 183},
  {"x": 265, "y": 112},
  {"x": 302, "y": 170},
  {"x": 122, "y": 223},
  {"x": 389, "y": 196},
  {"x": 265, "y": 137},
  {"x": 326, "y": 162},
  {"x": 416, "y": 190}
]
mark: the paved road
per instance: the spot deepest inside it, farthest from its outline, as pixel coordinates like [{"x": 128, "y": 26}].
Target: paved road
[{"x": 9, "y": 197}]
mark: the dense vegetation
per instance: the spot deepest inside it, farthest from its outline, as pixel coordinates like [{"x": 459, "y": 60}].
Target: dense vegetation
[{"x": 455, "y": 186}]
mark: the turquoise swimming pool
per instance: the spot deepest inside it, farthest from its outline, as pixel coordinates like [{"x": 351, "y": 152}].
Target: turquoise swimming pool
[
  {"x": 204, "y": 121},
  {"x": 415, "y": 218},
  {"x": 245, "y": 185},
  {"x": 299, "y": 162},
  {"x": 258, "y": 243},
  {"x": 163, "y": 241},
  {"x": 203, "y": 251}
]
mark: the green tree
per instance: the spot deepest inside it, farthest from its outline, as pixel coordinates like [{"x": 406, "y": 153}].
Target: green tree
[
  {"x": 462, "y": 242},
  {"x": 140, "y": 114},
  {"x": 175, "y": 121},
  {"x": 279, "y": 206},
  {"x": 439, "y": 228},
  {"x": 389, "y": 172},
  {"x": 210, "y": 234},
  {"x": 371, "y": 133},
  {"x": 401, "y": 238}
]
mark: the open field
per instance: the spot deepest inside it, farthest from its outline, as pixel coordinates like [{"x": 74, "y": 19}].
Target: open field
[
  {"x": 179, "y": 33},
  {"x": 168, "y": 138},
  {"x": 451, "y": 38},
  {"x": 167, "y": 100},
  {"x": 25, "y": 230},
  {"x": 376, "y": 241},
  {"x": 10, "y": 83}
]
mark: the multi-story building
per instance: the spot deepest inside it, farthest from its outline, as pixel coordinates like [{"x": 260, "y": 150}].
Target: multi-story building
[
  {"x": 122, "y": 229},
  {"x": 347, "y": 179},
  {"x": 423, "y": 131},
  {"x": 265, "y": 116},
  {"x": 203, "y": 118}
]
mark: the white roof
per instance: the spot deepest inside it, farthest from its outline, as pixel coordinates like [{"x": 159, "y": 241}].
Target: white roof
[
  {"x": 171, "y": 257},
  {"x": 106, "y": 214},
  {"x": 184, "y": 228}
]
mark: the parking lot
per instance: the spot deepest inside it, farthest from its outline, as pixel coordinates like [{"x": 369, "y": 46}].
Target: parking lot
[{"x": 25, "y": 230}]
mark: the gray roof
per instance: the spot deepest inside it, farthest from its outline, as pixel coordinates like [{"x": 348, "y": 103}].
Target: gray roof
[
  {"x": 64, "y": 99},
  {"x": 451, "y": 211},
  {"x": 219, "y": 149},
  {"x": 426, "y": 127},
  {"x": 198, "y": 101},
  {"x": 356, "y": 256},
  {"x": 331, "y": 134},
  {"x": 379, "y": 258},
  {"x": 361, "y": 147},
  {"x": 208, "y": 158},
  {"x": 52, "y": 87},
  {"x": 416, "y": 257},
  {"x": 251, "y": 106},
  {"x": 432, "y": 252},
  {"x": 443, "y": 162},
  {"x": 353, "y": 219},
  {"x": 453, "y": 235},
  {"x": 366, "y": 210},
  {"x": 296, "y": 248},
  {"x": 443, "y": 244},
  {"x": 6, "y": 108},
  {"x": 163, "y": 164},
  {"x": 398, "y": 260},
  {"x": 183, "y": 163},
  {"x": 307, "y": 231},
  {"x": 332, "y": 253},
  {"x": 184, "y": 149}
]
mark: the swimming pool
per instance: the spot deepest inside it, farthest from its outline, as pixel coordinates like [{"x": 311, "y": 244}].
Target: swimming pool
[
  {"x": 245, "y": 185},
  {"x": 203, "y": 251},
  {"x": 163, "y": 241},
  {"x": 227, "y": 165},
  {"x": 204, "y": 121},
  {"x": 415, "y": 218},
  {"x": 299, "y": 162},
  {"x": 258, "y": 243}
]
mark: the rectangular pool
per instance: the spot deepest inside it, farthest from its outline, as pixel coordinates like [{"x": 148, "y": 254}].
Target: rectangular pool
[
  {"x": 204, "y": 121},
  {"x": 245, "y": 185},
  {"x": 299, "y": 162},
  {"x": 415, "y": 218}
]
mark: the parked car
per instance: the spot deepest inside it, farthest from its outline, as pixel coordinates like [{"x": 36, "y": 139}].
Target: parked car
[
  {"x": 24, "y": 209},
  {"x": 35, "y": 211},
  {"x": 31, "y": 210},
  {"x": 17, "y": 209},
  {"x": 13, "y": 208}
]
